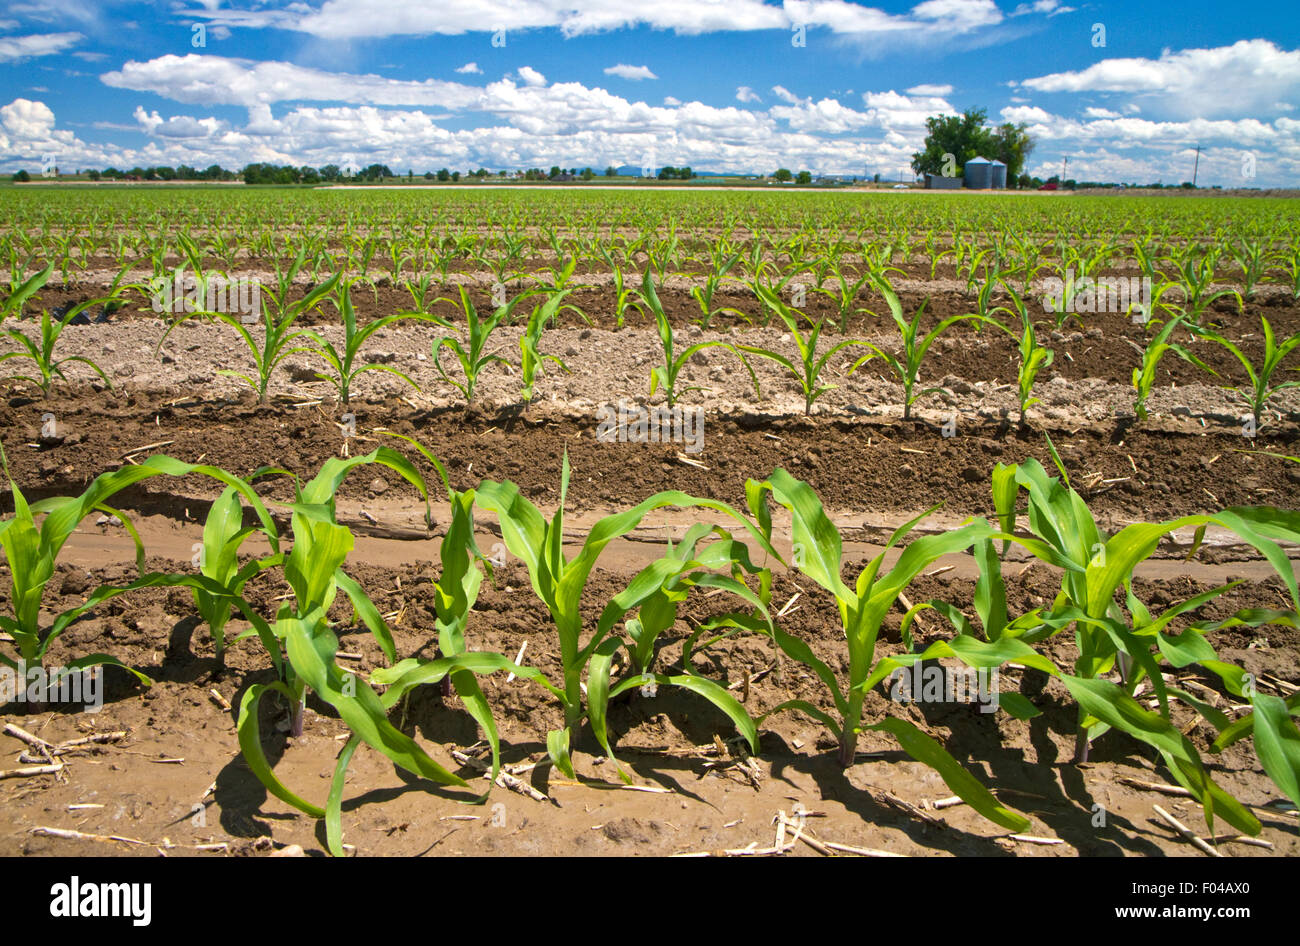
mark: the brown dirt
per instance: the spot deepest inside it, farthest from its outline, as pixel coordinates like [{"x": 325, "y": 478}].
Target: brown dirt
[{"x": 870, "y": 467}]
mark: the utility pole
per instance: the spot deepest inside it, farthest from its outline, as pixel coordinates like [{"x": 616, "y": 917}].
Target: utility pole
[
  {"x": 1196, "y": 167},
  {"x": 1064, "y": 163}
]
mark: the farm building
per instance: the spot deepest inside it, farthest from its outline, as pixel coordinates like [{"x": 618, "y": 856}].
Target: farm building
[{"x": 978, "y": 174}]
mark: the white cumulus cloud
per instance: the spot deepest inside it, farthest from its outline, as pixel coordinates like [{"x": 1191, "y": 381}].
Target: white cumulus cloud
[{"x": 632, "y": 73}]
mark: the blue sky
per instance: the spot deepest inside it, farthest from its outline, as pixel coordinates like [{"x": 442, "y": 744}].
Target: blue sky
[{"x": 1126, "y": 91}]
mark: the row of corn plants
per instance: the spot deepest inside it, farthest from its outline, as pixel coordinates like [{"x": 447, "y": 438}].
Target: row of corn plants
[{"x": 1121, "y": 644}]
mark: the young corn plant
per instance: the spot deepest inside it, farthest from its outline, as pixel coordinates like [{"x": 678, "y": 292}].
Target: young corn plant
[
  {"x": 421, "y": 289},
  {"x": 530, "y": 356},
  {"x": 1251, "y": 256},
  {"x": 343, "y": 366},
  {"x": 862, "y": 609},
  {"x": 1145, "y": 649},
  {"x": 559, "y": 583},
  {"x": 478, "y": 331},
  {"x": 659, "y": 589},
  {"x": 23, "y": 289},
  {"x": 1289, "y": 261},
  {"x": 41, "y": 352},
  {"x": 656, "y": 594},
  {"x": 278, "y": 334},
  {"x": 1096, "y": 566},
  {"x": 1144, "y": 376},
  {"x": 622, "y": 293},
  {"x": 1262, "y": 377},
  {"x": 367, "y": 711},
  {"x": 1195, "y": 269},
  {"x": 713, "y": 280},
  {"x": 303, "y": 645},
  {"x": 844, "y": 294},
  {"x": 224, "y": 533},
  {"x": 666, "y": 375},
  {"x": 32, "y": 552},
  {"x": 808, "y": 372},
  {"x": 1033, "y": 357},
  {"x": 907, "y": 366}
]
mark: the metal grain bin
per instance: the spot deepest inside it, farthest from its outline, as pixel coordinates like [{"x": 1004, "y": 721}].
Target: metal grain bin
[
  {"x": 978, "y": 173},
  {"x": 999, "y": 180}
]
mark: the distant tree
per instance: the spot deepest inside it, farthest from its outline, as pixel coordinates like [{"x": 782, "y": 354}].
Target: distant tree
[
  {"x": 455, "y": 175},
  {"x": 587, "y": 174},
  {"x": 1013, "y": 147},
  {"x": 444, "y": 174},
  {"x": 555, "y": 172},
  {"x": 783, "y": 175},
  {"x": 92, "y": 174},
  {"x": 611, "y": 171},
  {"x": 962, "y": 136},
  {"x": 330, "y": 172},
  {"x": 966, "y": 136},
  {"x": 805, "y": 177},
  {"x": 21, "y": 177}
]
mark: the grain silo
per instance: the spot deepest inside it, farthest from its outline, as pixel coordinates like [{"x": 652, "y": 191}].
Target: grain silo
[
  {"x": 979, "y": 174},
  {"x": 999, "y": 178}
]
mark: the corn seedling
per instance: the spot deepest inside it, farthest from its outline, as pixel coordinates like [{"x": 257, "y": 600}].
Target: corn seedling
[
  {"x": 1250, "y": 256},
  {"x": 530, "y": 356},
  {"x": 478, "y": 332},
  {"x": 1033, "y": 357},
  {"x": 1262, "y": 386},
  {"x": 666, "y": 375},
  {"x": 23, "y": 289},
  {"x": 818, "y": 553},
  {"x": 1196, "y": 276},
  {"x": 844, "y": 295},
  {"x": 456, "y": 590},
  {"x": 559, "y": 583},
  {"x": 277, "y": 332},
  {"x": 32, "y": 552},
  {"x": 808, "y": 372},
  {"x": 41, "y": 353},
  {"x": 1096, "y": 566},
  {"x": 303, "y": 646},
  {"x": 656, "y": 593},
  {"x": 1144, "y": 377},
  {"x": 342, "y": 363},
  {"x": 218, "y": 560},
  {"x": 907, "y": 367}
]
